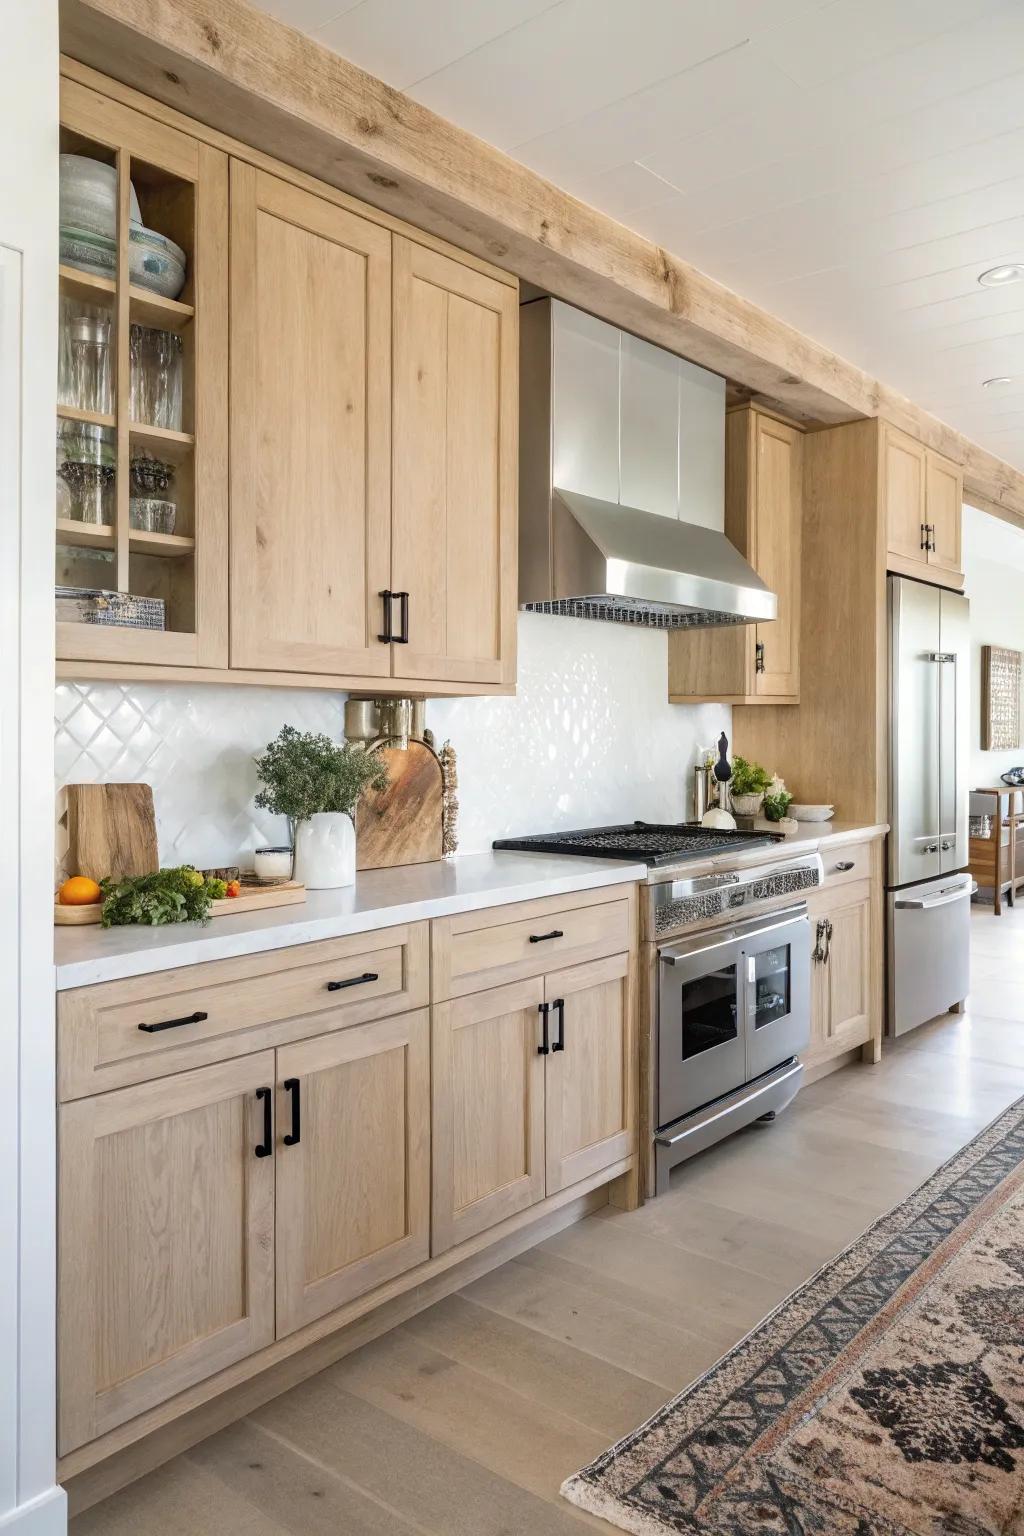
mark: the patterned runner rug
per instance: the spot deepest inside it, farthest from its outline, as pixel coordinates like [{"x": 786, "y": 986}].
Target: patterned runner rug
[{"x": 883, "y": 1398}]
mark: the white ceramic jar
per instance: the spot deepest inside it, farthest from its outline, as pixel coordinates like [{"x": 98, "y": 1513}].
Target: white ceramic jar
[
  {"x": 273, "y": 863},
  {"x": 325, "y": 851}
]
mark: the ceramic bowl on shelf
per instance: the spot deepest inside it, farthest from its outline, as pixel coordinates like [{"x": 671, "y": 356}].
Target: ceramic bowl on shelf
[
  {"x": 155, "y": 262},
  {"x": 88, "y": 196},
  {"x": 812, "y": 812},
  {"x": 88, "y": 251}
]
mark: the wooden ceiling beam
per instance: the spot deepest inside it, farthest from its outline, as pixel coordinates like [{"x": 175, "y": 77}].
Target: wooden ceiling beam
[{"x": 245, "y": 74}]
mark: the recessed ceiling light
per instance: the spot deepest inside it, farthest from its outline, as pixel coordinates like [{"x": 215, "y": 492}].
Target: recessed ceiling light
[
  {"x": 996, "y": 277},
  {"x": 1001, "y": 379}
]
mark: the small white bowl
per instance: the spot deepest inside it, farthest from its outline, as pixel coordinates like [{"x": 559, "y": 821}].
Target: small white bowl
[{"x": 812, "y": 812}]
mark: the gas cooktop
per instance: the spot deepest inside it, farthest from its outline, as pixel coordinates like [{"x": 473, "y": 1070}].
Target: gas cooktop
[{"x": 641, "y": 841}]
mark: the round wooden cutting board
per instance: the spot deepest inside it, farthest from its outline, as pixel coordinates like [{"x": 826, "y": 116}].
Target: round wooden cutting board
[{"x": 403, "y": 823}]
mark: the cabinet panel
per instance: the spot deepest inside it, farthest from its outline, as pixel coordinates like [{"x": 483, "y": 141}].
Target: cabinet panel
[
  {"x": 454, "y": 492},
  {"x": 488, "y": 1118},
  {"x": 777, "y": 515},
  {"x": 310, "y": 431},
  {"x": 589, "y": 1072},
  {"x": 945, "y": 497},
  {"x": 166, "y": 1241},
  {"x": 353, "y": 1190},
  {"x": 904, "y": 490},
  {"x": 849, "y": 968}
]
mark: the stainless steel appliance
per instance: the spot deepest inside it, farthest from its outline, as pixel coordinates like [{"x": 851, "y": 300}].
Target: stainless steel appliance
[
  {"x": 731, "y": 949},
  {"x": 928, "y": 898},
  {"x": 622, "y": 480}
]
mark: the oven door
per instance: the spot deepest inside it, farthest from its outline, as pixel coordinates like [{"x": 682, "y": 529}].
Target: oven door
[
  {"x": 777, "y": 989},
  {"x": 701, "y": 1029}
]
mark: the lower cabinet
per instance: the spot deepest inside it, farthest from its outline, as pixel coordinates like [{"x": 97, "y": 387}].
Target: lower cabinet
[
  {"x": 843, "y": 972},
  {"x": 533, "y": 1090}
]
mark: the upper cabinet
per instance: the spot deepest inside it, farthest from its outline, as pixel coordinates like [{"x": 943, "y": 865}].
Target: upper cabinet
[
  {"x": 752, "y": 663},
  {"x": 369, "y": 523},
  {"x": 141, "y": 428},
  {"x": 922, "y": 495}
]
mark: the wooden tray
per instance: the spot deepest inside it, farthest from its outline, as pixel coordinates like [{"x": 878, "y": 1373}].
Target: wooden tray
[{"x": 253, "y": 898}]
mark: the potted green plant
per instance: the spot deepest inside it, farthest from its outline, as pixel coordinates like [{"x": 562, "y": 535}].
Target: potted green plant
[
  {"x": 747, "y": 786},
  {"x": 317, "y": 785},
  {"x": 777, "y": 801}
]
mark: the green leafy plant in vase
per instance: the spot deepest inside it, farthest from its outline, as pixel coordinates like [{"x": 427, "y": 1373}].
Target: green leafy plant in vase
[
  {"x": 777, "y": 801},
  {"x": 317, "y": 784},
  {"x": 747, "y": 786}
]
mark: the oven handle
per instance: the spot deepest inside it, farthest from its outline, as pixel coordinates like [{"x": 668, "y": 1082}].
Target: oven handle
[{"x": 946, "y": 898}]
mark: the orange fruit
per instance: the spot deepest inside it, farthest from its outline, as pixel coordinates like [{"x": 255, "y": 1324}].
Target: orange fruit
[{"x": 79, "y": 891}]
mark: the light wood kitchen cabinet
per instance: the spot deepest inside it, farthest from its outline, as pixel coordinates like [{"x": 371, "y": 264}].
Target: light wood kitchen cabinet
[
  {"x": 845, "y": 974},
  {"x": 533, "y": 1092},
  {"x": 353, "y": 1164},
  {"x": 310, "y": 431},
  {"x": 454, "y": 508},
  {"x": 166, "y": 1240},
  {"x": 182, "y": 190},
  {"x": 922, "y": 495},
  {"x": 752, "y": 663}
]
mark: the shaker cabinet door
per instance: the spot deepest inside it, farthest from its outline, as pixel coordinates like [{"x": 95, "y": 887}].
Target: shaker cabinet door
[
  {"x": 166, "y": 1240},
  {"x": 903, "y": 479},
  {"x": 777, "y": 515},
  {"x": 310, "y": 431},
  {"x": 945, "y": 511},
  {"x": 454, "y": 512}
]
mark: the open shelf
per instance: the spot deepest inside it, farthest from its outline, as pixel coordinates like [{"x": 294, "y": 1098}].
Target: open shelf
[
  {"x": 100, "y": 536},
  {"x": 162, "y": 442},
  {"x": 86, "y": 286},
  {"x": 91, "y": 418},
  {"x": 154, "y": 310}
]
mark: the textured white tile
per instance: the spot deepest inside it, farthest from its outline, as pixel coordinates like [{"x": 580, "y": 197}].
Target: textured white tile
[{"x": 589, "y": 738}]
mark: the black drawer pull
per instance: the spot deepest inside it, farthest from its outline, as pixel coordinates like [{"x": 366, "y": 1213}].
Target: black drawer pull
[
  {"x": 542, "y": 938},
  {"x": 387, "y": 637},
  {"x": 559, "y": 1007},
  {"x": 844, "y": 865},
  {"x": 402, "y": 638},
  {"x": 266, "y": 1146},
  {"x": 153, "y": 1029},
  {"x": 544, "y": 1048},
  {"x": 291, "y": 1085},
  {"x": 353, "y": 981}
]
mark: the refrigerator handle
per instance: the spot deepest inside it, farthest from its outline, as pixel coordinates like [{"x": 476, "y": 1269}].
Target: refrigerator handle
[{"x": 944, "y": 899}]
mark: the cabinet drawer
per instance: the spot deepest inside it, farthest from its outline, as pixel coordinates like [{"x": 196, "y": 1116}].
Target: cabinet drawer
[
  {"x": 850, "y": 861},
  {"x": 210, "y": 1012},
  {"x": 477, "y": 950}
]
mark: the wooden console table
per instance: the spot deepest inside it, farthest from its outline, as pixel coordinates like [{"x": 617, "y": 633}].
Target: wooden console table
[{"x": 991, "y": 861}]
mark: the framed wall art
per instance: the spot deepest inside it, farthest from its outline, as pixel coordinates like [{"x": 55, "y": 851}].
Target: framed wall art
[{"x": 1000, "y": 698}]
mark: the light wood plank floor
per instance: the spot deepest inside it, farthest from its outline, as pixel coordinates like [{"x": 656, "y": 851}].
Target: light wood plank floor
[{"x": 465, "y": 1421}]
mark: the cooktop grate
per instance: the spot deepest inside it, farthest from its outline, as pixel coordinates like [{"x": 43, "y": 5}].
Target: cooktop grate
[{"x": 643, "y": 841}]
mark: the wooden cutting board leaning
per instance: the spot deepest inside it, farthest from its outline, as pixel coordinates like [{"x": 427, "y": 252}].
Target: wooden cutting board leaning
[{"x": 111, "y": 831}]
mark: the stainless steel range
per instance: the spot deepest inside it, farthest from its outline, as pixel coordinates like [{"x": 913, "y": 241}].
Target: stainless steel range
[{"x": 729, "y": 956}]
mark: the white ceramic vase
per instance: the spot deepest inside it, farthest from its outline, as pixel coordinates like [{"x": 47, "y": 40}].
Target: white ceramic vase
[{"x": 325, "y": 851}]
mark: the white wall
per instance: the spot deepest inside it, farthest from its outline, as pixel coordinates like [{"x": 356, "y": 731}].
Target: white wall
[
  {"x": 994, "y": 582},
  {"x": 29, "y": 1500},
  {"x": 589, "y": 738}
]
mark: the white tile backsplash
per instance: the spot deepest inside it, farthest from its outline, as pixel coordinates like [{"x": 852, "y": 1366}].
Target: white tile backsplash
[{"x": 589, "y": 738}]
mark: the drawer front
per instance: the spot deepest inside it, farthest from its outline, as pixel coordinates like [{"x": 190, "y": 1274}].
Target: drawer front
[
  {"x": 849, "y": 862},
  {"x": 477, "y": 950},
  {"x": 123, "y": 1032}
]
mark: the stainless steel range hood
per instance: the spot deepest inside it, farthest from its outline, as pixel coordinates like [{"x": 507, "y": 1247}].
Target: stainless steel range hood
[{"x": 622, "y": 496}]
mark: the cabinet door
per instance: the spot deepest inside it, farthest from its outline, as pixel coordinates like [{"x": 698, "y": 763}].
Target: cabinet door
[
  {"x": 777, "y": 517},
  {"x": 819, "y": 991},
  {"x": 455, "y": 473},
  {"x": 488, "y": 1100},
  {"x": 166, "y": 1241},
  {"x": 849, "y": 975},
  {"x": 904, "y": 475},
  {"x": 589, "y": 1087},
  {"x": 310, "y": 431},
  {"x": 353, "y": 1182},
  {"x": 945, "y": 508}
]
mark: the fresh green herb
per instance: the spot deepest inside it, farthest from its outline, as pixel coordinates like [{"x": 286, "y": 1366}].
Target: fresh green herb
[
  {"x": 304, "y": 774},
  {"x": 777, "y": 800},
  {"x": 170, "y": 896},
  {"x": 748, "y": 778}
]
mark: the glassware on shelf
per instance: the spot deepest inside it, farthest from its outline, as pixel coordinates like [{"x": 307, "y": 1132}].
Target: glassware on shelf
[
  {"x": 155, "y": 377},
  {"x": 85, "y": 376},
  {"x": 150, "y": 476},
  {"x": 151, "y": 515},
  {"x": 86, "y": 464}
]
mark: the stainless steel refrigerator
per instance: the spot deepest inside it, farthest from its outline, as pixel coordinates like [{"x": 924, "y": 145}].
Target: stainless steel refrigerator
[{"x": 929, "y": 895}]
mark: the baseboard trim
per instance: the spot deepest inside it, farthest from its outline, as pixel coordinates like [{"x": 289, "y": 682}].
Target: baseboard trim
[{"x": 46, "y": 1515}]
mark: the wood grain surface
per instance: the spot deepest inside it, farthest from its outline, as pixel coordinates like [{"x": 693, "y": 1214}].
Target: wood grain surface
[
  {"x": 111, "y": 830},
  {"x": 402, "y": 824}
]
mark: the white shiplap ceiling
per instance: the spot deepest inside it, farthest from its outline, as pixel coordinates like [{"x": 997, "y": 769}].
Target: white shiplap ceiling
[{"x": 851, "y": 165}]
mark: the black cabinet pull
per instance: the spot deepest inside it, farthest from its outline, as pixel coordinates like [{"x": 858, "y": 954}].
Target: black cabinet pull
[
  {"x": 559, "y": 1007},
  {"x": 542, "y": 938},
  {"x": 352, "y": 981},
  {"x": 154, "y": 1029},
  {"x": 291, "y": 1085},
  {"x": 387, "y": 637},
  {"x": 402, "y": 638},
  {"x": 759, "y": 656},
  {"x": 844, "y": 865},
  {"x": 542, "y": 1009},
  {"x": 265, "y": 1147}
]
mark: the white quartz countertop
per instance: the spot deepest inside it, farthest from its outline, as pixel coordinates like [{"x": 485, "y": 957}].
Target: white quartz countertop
[{"x": 380, "y": 898}]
